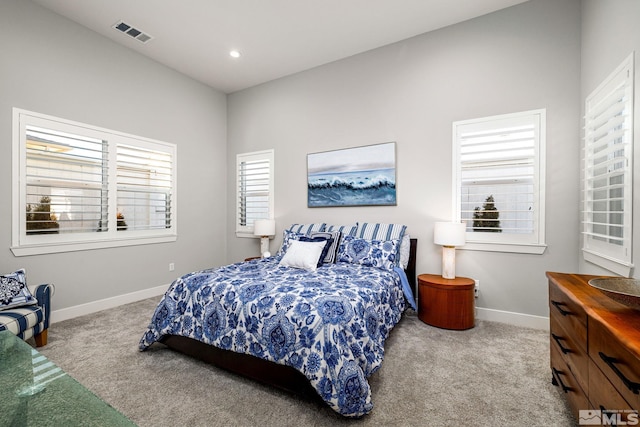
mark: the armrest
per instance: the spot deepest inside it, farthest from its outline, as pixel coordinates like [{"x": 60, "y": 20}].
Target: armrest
[{"x": 43, "y": 295}]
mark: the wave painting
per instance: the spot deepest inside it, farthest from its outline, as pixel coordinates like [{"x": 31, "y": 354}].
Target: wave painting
[{"x": 361, "y": 176}]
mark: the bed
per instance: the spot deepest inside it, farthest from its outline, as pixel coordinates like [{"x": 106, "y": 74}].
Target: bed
[{"x": 317, "y": 330}]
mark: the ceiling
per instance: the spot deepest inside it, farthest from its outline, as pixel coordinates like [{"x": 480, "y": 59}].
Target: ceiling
[{"x": 276, "y": 38}]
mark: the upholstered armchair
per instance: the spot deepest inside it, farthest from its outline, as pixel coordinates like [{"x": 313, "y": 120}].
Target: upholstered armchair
[{"x": 21, "y": 313}]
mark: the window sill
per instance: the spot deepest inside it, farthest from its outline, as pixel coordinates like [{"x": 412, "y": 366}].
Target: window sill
[
  {"x": 85, "y": 246},
  {"x": 537, "y": 249},
  {"x": 616, "y": 266},
  {"x": 246, "y": 234}
]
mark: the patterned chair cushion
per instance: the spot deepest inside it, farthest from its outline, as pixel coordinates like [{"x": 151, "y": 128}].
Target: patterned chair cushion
[{"x": 29, "y": 319}]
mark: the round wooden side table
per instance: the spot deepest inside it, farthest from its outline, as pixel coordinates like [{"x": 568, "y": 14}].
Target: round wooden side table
[{"x": 446, "y": 303}]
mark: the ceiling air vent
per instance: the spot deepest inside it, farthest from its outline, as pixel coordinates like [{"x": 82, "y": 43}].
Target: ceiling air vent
[{"x": 133, "y": 32}]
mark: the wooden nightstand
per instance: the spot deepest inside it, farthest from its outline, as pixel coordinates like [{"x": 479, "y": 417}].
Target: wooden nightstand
[
  {"x": 252, "y": 258},
  {"x": 446, "y": 303}
]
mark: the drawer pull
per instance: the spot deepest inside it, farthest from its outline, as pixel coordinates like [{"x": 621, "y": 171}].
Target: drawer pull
[
  {"x": 556, "y": 376},
  {"x": 562, "y": 348},
  {"x": 557, "y": 304},
  {"x": 611, "y": 361}
]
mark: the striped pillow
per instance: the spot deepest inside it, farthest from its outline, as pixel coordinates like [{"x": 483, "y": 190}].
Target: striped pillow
[
  {"x": 306, "y": 229},
  {"x": 377, "y": 231},
  {"x": 332, "y": 253},
  {"x": 346, "y": 230}
]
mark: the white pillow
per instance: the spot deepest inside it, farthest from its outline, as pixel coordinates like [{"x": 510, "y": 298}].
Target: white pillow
[
  {"x": 303, "y": 255},
  {"x": 405, "y": 251}
]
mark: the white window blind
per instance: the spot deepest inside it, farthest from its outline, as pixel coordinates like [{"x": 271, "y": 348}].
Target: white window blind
[
  {"x": 500, "y": 174},
  {"x": 66, "y": 182},
  {"x": 144, "y": 179},
  {"x": 608, "y": 166},
  {"x": 77, "y": 187},
  {"x": 254, "y": 189}
]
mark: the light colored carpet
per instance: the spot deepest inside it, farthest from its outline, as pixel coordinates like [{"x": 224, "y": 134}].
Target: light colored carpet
[{"x": 491, "y": 375}]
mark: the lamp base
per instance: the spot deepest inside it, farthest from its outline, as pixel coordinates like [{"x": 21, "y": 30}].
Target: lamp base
[
  {"x": 264, "y": 246},
  {"x": 449, "y": 262}
]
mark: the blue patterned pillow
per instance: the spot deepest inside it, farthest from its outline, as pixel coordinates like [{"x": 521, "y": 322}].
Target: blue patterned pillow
[
  {"x": 287, "y": 237},
  {"x": 14, "y": 291},
  {"x": 377, "y": 231},
  {"x": 307, "y": 229},
  {"x": 382, "y": 254}
]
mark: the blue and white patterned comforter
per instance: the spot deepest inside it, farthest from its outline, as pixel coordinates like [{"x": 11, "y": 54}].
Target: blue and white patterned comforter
[{"x": 330, "y": 324}]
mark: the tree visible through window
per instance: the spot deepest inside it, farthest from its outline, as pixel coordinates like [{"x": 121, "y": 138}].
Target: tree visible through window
[{"x": 485, "y": 219}]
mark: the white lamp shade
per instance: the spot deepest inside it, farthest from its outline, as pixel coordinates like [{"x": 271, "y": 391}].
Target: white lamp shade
[
  {"x": 449, "y": 233},
  {"x": 264, "y": 227}
]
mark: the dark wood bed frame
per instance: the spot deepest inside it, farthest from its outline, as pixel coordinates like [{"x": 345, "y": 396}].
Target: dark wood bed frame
[{"x": 279, "y": 376}]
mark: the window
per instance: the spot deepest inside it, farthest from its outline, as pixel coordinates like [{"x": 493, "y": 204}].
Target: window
[
  {"x": 499, "y": 181},
  {"x": 254, "y": 173},
  {"x": 608, "y": 166},
  {"x": 80, "y": 187}
]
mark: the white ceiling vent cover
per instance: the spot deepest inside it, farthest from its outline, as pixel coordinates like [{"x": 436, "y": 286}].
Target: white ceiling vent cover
[{"x": 127, "y": 29}]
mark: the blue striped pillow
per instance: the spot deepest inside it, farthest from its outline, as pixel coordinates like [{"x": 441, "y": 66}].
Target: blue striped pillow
[
  {"x": 346, "y": 230},
  {"x": 378, "y": 231},
  {"x": 332, "y": 252},
  {"x": 307, "y": 229}
]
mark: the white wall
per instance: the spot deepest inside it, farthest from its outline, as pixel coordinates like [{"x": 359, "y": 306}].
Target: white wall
[
  {"x": 610, "y": 32},
  {"x": 522, "y": 58},
  {"x": 51, "y": 65}
]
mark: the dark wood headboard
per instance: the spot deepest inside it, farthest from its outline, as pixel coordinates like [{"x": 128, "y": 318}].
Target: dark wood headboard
[{"x": 411, "y": 267}]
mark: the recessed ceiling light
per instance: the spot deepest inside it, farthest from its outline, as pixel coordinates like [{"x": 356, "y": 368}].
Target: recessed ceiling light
[{"x": 234, "y": 54}]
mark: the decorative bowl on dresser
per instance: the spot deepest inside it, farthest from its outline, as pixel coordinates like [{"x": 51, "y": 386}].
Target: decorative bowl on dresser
[{"x": 595, "y": 350}]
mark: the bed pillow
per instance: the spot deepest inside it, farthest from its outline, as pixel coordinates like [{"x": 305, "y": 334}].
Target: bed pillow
[
  {"x": 382, "y": 254},
  {"x": 405, "y": 251},
  {"x": 14, "y": 291},
  {"x": 307, "y": 229},
  {"x": 327, "y": 244},
  {"x": 303, "y": 255},
  {"x": 287, "y": 237},
  {"x": 346, "y": 230},
  {"x": 331, "y": 251},
  {"x": 379, "y": 231}
]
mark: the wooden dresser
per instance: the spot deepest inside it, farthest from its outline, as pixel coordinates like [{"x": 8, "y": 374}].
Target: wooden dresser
[{"x": 595, "y": 348}]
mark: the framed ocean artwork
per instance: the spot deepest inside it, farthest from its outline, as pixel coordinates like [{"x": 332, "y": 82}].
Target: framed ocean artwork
[{"x": 359, "y": 176}]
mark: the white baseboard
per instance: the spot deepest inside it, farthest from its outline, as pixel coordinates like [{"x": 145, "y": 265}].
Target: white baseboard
[
  {"x": 103, "y": 304},
  {"x": 517, "y": 319}
]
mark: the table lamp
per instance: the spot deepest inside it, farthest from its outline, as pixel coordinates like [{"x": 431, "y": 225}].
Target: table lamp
[
  {"x": 449, "y": 235},
  {"x": 264, "y": 228}
]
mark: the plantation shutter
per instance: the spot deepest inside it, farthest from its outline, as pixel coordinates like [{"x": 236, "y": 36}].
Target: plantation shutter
[
  {"x": 608, "y": 165},
  {"x": 145, "y": 182},
  {"x": 66, "y": 173},
  {"x": 498, "y": 167},
  {"x": 254, "y": 189}
]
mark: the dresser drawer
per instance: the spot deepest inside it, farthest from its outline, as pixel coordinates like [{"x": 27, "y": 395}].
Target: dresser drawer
[
  {"x": 604, "y": 396},
  {"x": 573, "y": 353},
  {"x": 567, "y": 384},
  {"x": 569, "y": 314},
  {"x": 620, "y": 366}
]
